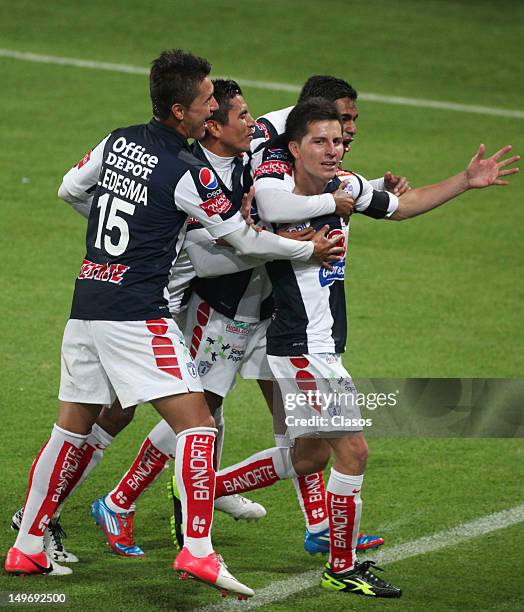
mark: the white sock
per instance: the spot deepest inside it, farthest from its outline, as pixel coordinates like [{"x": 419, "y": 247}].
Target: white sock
[{"x": 51, "y": 474}]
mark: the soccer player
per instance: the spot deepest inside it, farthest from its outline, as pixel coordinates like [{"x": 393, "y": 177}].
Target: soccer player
[
  {"x": 310, "y": 489},
  {"x": 228, "y": 136},
  {"x": 307, "y": 336},
  {"x": 120, "y": 340}
]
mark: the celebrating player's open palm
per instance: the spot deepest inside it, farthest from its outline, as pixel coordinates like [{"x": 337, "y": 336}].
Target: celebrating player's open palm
[{"x": 485, "y": 172}]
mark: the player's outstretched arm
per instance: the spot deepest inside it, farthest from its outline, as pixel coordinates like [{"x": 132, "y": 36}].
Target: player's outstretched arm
[{"x": 480, "y": 173}]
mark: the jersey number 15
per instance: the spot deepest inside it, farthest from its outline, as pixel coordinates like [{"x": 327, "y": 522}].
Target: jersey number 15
[{"x": 113, "y": 221}]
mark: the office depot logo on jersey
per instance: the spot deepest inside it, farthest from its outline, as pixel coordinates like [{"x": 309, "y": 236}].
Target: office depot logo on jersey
[
  {"x": 217, "y": 205},
  {"x": 207, "y": 178}
]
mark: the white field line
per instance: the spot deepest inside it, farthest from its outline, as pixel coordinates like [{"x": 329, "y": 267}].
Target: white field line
[
  {"x": 419, "y": 102},
  {"x": 442, "y": 539}
]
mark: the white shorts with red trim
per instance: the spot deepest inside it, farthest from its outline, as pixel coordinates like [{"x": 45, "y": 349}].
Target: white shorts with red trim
[
  {"x": 136, "y": 361},
  {"x": 223, "y": 347},
  {"x": 318, "y": 396}
]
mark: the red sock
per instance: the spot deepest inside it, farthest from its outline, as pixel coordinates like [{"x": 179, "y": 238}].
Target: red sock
[
  {"x": 258, "y": 471},
  {"x": 344, "y": 509},
  {"x": 147, "y": 465},
  {"x": 312, "y": 499}
]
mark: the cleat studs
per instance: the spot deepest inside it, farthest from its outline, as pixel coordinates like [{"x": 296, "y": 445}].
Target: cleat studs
[
  {"x": 224, "y": 593},
  {"x": 241, "y": 597},
  {"x": 184, "y": 576}
]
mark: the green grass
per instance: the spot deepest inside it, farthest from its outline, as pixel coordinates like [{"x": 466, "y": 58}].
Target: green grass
[{"x": 437, "y": 296}]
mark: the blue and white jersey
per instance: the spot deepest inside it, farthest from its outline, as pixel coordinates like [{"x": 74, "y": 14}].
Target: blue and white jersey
[
  {"x": 310, "y": 305},
  {"x": 269, "y": 126},
  {"x": 244, "y": 295},
  {"x": 145, "y": 182}
]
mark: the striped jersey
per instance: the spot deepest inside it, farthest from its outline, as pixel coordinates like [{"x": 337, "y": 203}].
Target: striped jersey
[{"x": 310, "y": 306}]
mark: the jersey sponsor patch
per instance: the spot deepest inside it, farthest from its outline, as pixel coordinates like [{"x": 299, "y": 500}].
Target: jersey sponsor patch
[
  {"x": 84, "y": 160},
  {"x": 273, "y": 168},
  {"x": 328, "y": 277},
  {"x": 218, "y": 205},
  {"x": 207, "y": 178},
  {"x": 276, "y": 153},
  {"x": 113, "y": 273},
  {"x": 262, "y": 128}
]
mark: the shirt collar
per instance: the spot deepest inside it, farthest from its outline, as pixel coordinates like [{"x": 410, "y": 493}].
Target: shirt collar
[{"x": 169, "y": 133}]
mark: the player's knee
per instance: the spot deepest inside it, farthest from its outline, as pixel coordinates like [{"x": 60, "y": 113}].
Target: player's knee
[
  {"x": 208, "y": 421},
  {"x": 359, "y": 449},
  {"x": 310, "y": 456}
]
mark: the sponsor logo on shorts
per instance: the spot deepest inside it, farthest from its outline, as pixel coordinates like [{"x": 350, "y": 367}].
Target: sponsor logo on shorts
[
  {"x": 218, "y": 205},
  {"x": 236, "y": 355},
  {"x": 207, "y": 178},
  {"x": 238, "y": 328},
  {"x": 191, "y": 369},
  {"x": 204, "y": 367}
]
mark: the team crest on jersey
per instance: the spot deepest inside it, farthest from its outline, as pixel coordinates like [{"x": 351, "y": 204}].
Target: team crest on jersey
[
  {"x": 207, "y": 178},
  {"x": 204, "y": 367},
  {"x": 191, "y": 369}
]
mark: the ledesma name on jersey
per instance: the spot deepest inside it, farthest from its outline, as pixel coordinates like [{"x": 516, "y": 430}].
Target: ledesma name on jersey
[{"x": 132, "y": 159}]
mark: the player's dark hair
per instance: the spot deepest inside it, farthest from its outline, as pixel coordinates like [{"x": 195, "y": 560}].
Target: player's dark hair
[
  {"x": 174, "y": 78},
  {"x": 225, "y": 91},
  {"x": 324, "y": 86},
  {"x": 309, "y": 111}
]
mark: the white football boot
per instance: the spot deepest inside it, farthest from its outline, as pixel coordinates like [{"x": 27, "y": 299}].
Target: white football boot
[
  {"x": 240, "y": 508},
  {"x": 53, "y": 544}
]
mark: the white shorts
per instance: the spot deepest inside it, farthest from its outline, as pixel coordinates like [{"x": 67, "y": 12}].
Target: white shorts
[
  {"x": 221, "y": 347},
  {"x": 318, "y": 396},
  {"x": 136, "y": 361}
]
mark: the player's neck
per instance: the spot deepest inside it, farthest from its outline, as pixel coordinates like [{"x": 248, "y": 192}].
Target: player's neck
[
  {"x": 218, "y": 148},
  {"x": 306, "y": 183}
]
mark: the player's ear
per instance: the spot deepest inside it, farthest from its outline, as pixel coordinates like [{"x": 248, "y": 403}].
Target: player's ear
[
  {"x": 178, "y": 111},
  {"x": 213, "y": 128},
  {"x": 293, "y": 148}
]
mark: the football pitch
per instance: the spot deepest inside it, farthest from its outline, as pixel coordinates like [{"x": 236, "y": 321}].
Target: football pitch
[{"x": 438, "y": 296}]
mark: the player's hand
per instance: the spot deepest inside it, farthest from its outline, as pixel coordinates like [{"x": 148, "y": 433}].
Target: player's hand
[
  {"x": 344, "y": 203},
  {"x": 303, "y": 235},
  {"x": 327, "y": 249},
  {"x": 245, "y": 209},
  {"x": 396, "y": 184},
  {"x": 485, "y": 172}
]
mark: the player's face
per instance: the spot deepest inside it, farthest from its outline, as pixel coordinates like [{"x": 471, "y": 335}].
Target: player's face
[
  {"x": 319, "y": 153},
  {"x": 200, "y": 110},
  {"x": 236, "y": 136},
  {"x": 349, "y": 113}
]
